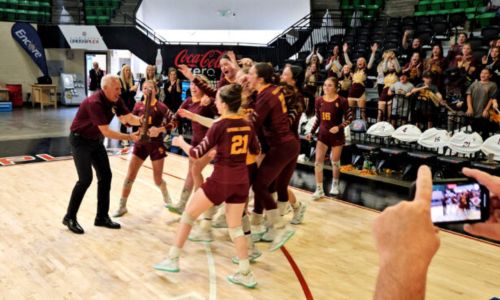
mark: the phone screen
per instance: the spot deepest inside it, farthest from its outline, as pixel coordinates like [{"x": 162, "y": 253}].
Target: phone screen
[{"x": 457, "y": 202}]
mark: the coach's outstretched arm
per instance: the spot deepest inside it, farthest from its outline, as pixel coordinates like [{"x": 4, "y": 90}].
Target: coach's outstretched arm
[{"x": 406, "y": 241}]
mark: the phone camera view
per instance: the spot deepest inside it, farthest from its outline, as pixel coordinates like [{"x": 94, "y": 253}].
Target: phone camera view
[{"x": 456, "y": 202}]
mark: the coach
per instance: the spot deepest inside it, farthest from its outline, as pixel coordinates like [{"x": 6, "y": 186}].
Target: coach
[{"x": 90, "y": 126}]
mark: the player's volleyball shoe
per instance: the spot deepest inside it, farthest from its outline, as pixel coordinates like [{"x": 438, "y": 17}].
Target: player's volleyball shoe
[
  {"x": 335, "y": 190},
  {"x": 168, "y": 265},
  {"x": 201, "y": 235},
  {"x": 121, "y": 210},
  {"x": 318, "y": 194},
  {"x": 252, "y": 256},
  {"x": 282, "y": 236},
  {"x": 176, "y": 209},
  {"x": 247, "y": 280},
  {"x": 298, "y": 214}
]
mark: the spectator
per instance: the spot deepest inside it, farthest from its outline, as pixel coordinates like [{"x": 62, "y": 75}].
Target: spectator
[
  {"x": 406, "y": 241},
  {"x": 388, "y": 65},
  {"x": 428, "y": 99},
  {"x": 335, "y": 63},
  {"x": 493, "y": 63},
  {"x": 400, "y": 103},
  {"x": 416, "y": 46},
  {"x": 456, "y": 45},
  {"x": 357, "y": 92},
  {"x": 436, "y": 65},
  {"x": 314, "y": 57},
  {"x": 173, "y": 91},
  {"x": 345, "y": 80},
  {"x": 95, "y": 75},
  {"x": 128, "y": 92},
  {"x": 414, "y": 68},
  {"x": 480, "y": 96},
  {"x": 465, "y": 65}
]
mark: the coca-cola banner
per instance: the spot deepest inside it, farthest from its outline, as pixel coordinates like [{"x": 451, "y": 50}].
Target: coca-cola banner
[{"x": 205, "y": 59}]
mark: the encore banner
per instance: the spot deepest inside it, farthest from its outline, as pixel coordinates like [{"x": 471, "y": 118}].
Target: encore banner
[{"x": 27, "y": 36}]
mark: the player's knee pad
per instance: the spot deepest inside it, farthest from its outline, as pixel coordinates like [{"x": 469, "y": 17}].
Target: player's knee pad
[
  {"x": 336, "y": 164},
  {"x": 128, "y": 183},
  {"x": 186, "y": 218},
  {"x": 318, "y": 167},
  {"x": 236, "y": 232}
]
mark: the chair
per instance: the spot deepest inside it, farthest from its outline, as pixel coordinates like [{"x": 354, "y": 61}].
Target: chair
[{"x": 490, "y": 33}]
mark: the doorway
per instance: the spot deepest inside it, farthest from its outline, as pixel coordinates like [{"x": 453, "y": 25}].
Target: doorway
[{"x": 90, "y": 57}]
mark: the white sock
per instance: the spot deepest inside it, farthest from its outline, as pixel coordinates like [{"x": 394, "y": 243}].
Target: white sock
[
  {"x": 164, "y": 192},
  {"x": 296, "y": 204},
  {"x": 319, "y": 186},
  {"x": 174, "y": 252},
  {"x": 335, "y": 182},
  {"x": 244, "y": 266},
  {"x": 123, "y": 201}
]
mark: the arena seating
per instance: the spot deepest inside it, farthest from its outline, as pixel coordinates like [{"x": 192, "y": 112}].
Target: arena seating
[
  {"x": 100, "y": 11},
  {"x": 37, "y": 11}
]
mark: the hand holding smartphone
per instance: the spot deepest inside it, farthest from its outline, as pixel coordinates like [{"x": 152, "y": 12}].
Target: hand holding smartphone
[{"x": 458, "y": 201}]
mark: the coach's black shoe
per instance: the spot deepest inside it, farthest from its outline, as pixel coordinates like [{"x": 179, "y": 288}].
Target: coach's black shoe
[
  {"x": 73, "y": 225},
  {"x": 107, "y": 222}
]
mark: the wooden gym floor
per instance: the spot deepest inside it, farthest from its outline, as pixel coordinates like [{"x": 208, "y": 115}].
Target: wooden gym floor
[{"x": 333, "y": 250}]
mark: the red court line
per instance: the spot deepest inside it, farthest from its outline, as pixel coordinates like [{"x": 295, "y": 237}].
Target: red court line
[{"x": 300, "y": 277}]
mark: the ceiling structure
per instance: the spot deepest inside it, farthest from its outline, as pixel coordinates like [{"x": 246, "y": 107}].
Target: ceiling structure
[{"x": 244, "y": 21}]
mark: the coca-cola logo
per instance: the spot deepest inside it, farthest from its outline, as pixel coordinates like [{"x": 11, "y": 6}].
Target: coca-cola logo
[{"x": 209, "y": 59}]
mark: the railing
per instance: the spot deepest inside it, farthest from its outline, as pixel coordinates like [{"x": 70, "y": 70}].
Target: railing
[{"x": 148, "y": 31}]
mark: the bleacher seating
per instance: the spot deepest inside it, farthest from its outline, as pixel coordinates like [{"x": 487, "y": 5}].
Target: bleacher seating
[
  {"x": 100, "y": 12},
  {"x": 474, "y": 10},
  {"x": 368, "y": 8},
  {"x": 36, "y": 11}
]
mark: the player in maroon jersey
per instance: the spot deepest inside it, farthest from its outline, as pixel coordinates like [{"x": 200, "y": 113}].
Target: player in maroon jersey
[
  {"x": 194, "y": 178},
  {"x": 281, "y": 149},
  {"x": 204, "y": 231},
  {"x": 233, "y": 138},
  {"x": 292, "y": 77},
  {"x": 333, "y": 114},
  {"x": 160, "y": 120}
]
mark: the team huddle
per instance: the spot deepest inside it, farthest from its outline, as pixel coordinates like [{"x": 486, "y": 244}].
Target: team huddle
[{"x": 248, "y": 128}]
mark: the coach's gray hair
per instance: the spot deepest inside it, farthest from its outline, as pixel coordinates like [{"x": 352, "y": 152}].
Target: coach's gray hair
[{"x": 107, "y": 79}]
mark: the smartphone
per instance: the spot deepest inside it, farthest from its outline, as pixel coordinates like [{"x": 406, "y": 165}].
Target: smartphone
[{"x": 458, "y": 201}]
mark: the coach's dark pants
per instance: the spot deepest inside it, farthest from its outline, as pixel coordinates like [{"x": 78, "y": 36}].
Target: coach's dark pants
[
  {"x": 88, "y": 153},
  {"x": 279, "y": 159}
]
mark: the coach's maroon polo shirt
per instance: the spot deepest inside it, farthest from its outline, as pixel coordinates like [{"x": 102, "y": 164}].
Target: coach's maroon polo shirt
[{"x": 95, "y": 111}]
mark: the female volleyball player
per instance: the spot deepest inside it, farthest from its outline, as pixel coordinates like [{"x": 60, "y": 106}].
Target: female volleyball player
[
  {"x": 333, "y": 114},
  {"x": 233, "y": 138},
  {"x": 160, "y": 120},
  {"x": 194, "y": 178}
]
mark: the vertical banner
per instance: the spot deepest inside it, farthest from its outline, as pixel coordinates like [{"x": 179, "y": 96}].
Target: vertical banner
[{"x": 27, "y": 36}]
